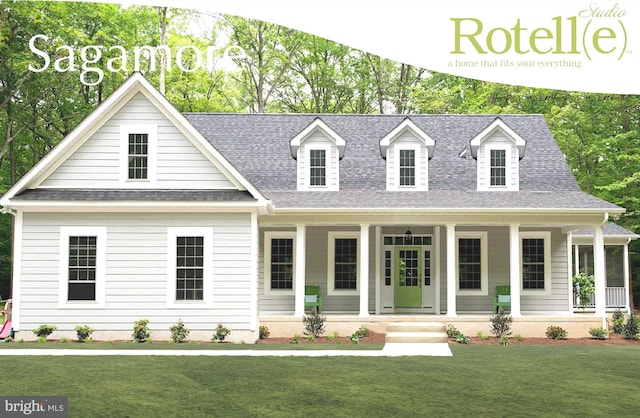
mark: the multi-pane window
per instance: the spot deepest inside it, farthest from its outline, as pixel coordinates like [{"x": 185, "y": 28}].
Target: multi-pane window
[
  {"x": 138, "y": 156},
  {"x": 318, "y": 169},
  {"x": 189, "y": 268},
  {"x": 498, "y": 167},
  {"x": 533, "y": 267},
  {"x": 282, "y": 263},
  {"x": 346, "y": 263},
  {"x": 82, "y": 267},
  {"x": 469, "y": 263},
  {"x": 407, "y": 165}
]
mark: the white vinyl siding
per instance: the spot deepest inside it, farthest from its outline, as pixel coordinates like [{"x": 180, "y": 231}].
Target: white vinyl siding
[
  {"x": 98, "y": 162},
  {"x": 498, "y": 142},
  {"x": 136, "y": 271}
]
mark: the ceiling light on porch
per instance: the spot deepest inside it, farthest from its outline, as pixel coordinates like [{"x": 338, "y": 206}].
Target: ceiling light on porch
[{"x": 408, "y": 237}]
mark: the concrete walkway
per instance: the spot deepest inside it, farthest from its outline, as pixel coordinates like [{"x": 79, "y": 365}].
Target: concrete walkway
[{"x": 389, "y": 350}]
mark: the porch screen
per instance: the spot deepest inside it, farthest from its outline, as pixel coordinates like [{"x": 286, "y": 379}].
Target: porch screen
[
  {"x": 533, "y": 263},
  {"x": 346, "y": 263},
  {"x": 189, "y": 268},
  {"x": 282, "y": 263},
  {"x": 82, "y": 268}
]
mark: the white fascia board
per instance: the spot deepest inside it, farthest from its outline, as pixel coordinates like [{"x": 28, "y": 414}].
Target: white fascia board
[
  {"x": 317, "y": 124},
  {"x": 137, "y": 206},
  {"x": 87, "y": 127},
  {"x": 407, "y": 124},
  {"x": 418, "y": 210},
  {"x": 498, "y": 124}
]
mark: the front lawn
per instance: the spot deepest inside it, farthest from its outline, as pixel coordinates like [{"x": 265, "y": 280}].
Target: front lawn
[{"x": 490, "y": 381}]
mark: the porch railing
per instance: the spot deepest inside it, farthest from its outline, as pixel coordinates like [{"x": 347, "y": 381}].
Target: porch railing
[{"x": 615, "y": 297}]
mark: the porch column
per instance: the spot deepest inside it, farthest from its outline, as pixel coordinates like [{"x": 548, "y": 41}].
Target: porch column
[
  {"x": 625, "y": 275},
  {"x": 514, "y": 268},
  {"x": 599, "y": 271},
  {"x": 364, "y": 270},
  {"x": 301, "y": 267},
  {"x": 451, "y": 270}
]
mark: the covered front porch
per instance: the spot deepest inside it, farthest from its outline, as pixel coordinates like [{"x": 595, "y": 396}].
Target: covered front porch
[{"x": 447, "y": 266}]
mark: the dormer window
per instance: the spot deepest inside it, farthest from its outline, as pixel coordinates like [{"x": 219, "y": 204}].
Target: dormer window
[
  {"x": 498, "y": 167},
  {"x": 318, "y": 150},
  {"x": 317, "y": 167},
  {"x": 498, "y": 150},
  {"x": 407, "y": 149},
  {"x": 407, "y": 163}
]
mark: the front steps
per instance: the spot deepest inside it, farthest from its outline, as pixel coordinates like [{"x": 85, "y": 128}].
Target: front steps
[{"x": 416, "y": 339}]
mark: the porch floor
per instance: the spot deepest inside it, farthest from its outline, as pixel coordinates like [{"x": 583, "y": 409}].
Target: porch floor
[{"x": 530, "y": 324}]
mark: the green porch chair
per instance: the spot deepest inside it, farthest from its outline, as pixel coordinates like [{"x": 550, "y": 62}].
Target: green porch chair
[
  {"x": 502, "y": 297},
  {"x": 312, "y": 297}
]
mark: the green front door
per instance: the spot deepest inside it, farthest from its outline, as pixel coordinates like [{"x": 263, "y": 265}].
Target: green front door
[{"x": 408, "y": 277}]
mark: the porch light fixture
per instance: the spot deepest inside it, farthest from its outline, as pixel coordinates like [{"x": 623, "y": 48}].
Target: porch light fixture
[{"x": 408, "y": 237}]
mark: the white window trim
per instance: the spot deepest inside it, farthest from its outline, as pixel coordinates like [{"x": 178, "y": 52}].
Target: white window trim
[
  {"x": 546, "y": 235},
  {"x": 268, "y": 236},
  {"x": 510, "y": 184},
  {"x": 152, "y": 155},
  {"x": 207, "y": 283},
  {"x": 484, "y": 263},
  {"x": 418, "y": 167},
  {"x": 329, "y": 167},
  {"x": 101, "y": 266},
  {"x": 331, "y": 258}
]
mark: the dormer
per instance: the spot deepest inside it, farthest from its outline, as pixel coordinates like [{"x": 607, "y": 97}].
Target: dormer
[
  {"x": 407, "y": 150},
  {"x": 498, "y": 150},
  {"x": 318, "y": 150}
]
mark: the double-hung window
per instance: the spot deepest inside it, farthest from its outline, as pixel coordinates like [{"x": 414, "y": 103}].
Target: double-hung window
[
  {"x": 498, "y": 167},
  {"x": 343, "y": 263},
  {"x": 82, "y": 265},
  {"x": 317, "y": 167},
  {"x": 138, "y": 155},
  {"x": 279, "y": 266},
  {"x": 189, "y": 265},
  {"x": 472, "y": 263},
  {"x": 407, "y": 164},
  {"x": 138, "y": 161},
  {"x": 535, "y": 253}
]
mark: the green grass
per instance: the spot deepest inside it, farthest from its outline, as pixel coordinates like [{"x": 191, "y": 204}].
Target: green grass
[
  {"x": 182, "y": 346},
  {"x": 478, "y": 381}
]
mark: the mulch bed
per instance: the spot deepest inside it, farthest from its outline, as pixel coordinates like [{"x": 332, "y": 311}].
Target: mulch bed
[
  {"x": 373, "y": 338},
  {"x": 614, "y": 339}
]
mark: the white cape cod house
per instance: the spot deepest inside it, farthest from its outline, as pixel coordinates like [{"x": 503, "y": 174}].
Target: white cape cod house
[{"x": 143, "y": 212}]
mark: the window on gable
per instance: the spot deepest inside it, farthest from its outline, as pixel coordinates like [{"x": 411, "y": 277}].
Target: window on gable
[
  {"x": 138, "y": 156},
  {"x": 82, "y": 267},
  {"x": 281, "y": 263},
  {"x": 498, "y": 167},
  {"x": 533, "y": 263},
  {"x": 407, "y": 165},
  {"x": 469, "y": 263},
  {"x": 189, "y": 267},
  {"x": 318, "y": 170}
]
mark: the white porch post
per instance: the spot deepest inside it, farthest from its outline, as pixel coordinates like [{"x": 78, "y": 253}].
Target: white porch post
[
  {"x": 599, "y": 270},
  {"x": 451, "y": 270},
  {"x": 625, "y": 274},
  {"x": 377, "y": 273},
  {"x": 301, "y": 267},
  {"x": 514, "y": 268},
  {"x": 364, "y": 270}
]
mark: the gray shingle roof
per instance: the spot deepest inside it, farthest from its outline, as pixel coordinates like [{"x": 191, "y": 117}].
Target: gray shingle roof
[
  {"x": 136, "y": 195},
  {"x": 258, "y": 146},
  {"x": 609, "y": 230}
]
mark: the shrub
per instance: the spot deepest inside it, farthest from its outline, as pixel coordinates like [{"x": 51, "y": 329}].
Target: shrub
[
  {"x": 618, "y": 321},
  {"x": 179, "y": 332},
  {"x": 452, "y": 331},
  {"x": 598, "y": 333},
  {"x": 583, "y": 287},
  {"x": 500, "y": 324},
  {"x": 462, "y": 339},
  {"x": 362, "y": 332},
  {"x": 263, "y": 332},
  {"x": 43, "y": 331},
  {"x": 314, "y": 324},
  {"x": 220, "y": 333},
  {"x": 83, "y": 332},
  {"x": 504, "y": 340},
  {"x": 631, "y": 330},
  {"x": 518, "y": 337},
  {"x": 295, "y": 339},
  {"x": 141, "y": 330},
  {"x": 556, "y": 333}
]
